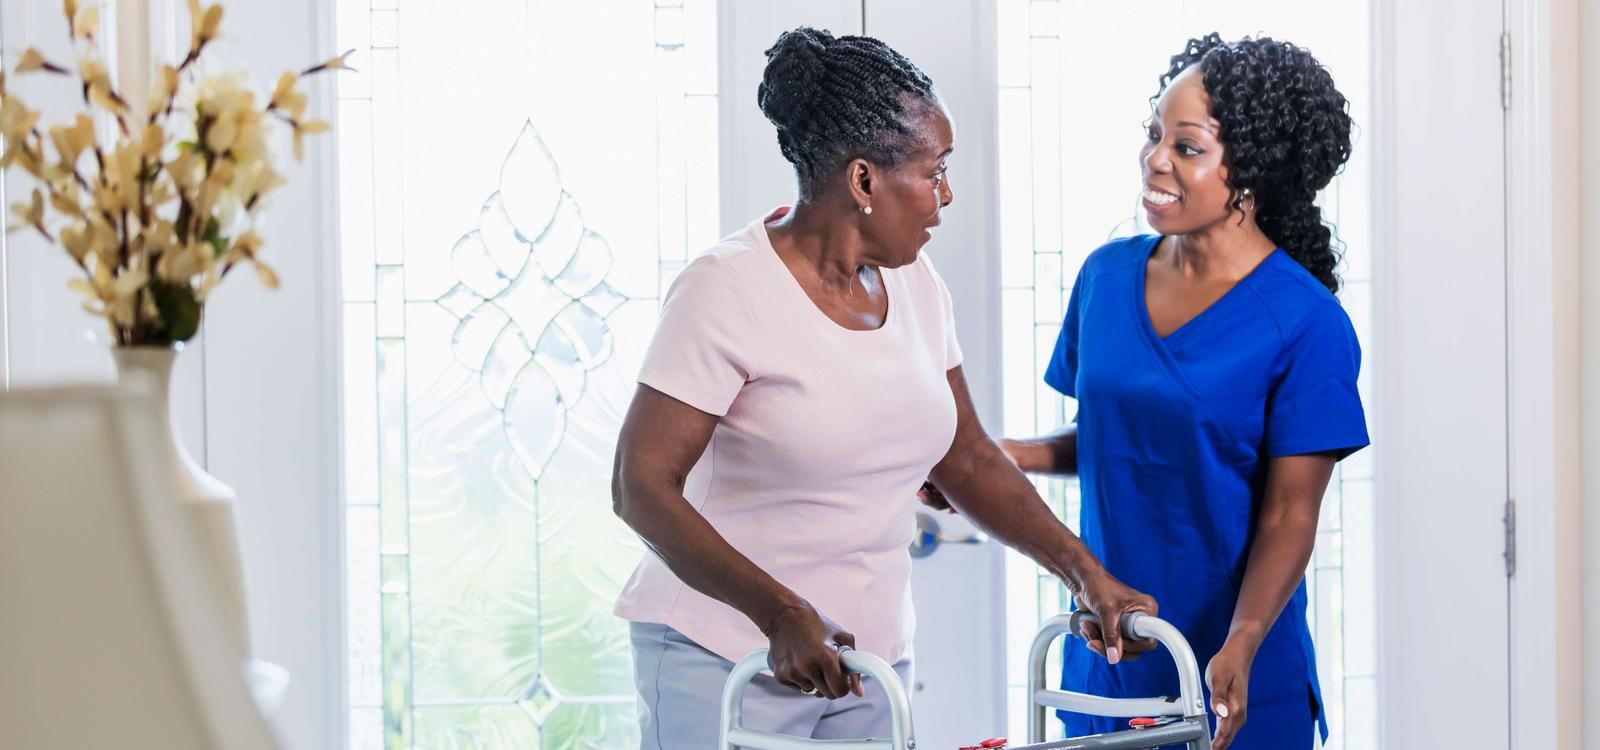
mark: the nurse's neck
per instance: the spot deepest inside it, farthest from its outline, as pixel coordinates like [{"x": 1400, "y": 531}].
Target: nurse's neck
[
  {"x": 1226, "y": 251},
  {"x": 826, "y": 240}
]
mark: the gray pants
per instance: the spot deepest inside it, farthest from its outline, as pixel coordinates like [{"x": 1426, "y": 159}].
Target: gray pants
[{"x": 680, "y": 698}]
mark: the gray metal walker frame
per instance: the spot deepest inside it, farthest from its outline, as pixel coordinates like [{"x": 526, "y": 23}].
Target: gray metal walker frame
[{"x": 1186, "y": 721}]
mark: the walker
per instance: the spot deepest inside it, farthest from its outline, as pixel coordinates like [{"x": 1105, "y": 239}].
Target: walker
[{"x": 1163, "y": 721}]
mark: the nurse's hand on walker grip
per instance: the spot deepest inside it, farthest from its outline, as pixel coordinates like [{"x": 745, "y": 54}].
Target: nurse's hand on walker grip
[
  {"x": 1110, "y": 598},
  {"x": 804, "y": 647}
]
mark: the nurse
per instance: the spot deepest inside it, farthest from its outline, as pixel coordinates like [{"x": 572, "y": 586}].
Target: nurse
[{"x": 1215, "y": 375}]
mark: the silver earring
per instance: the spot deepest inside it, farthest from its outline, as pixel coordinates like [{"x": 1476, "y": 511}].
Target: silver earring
[{"x": 866, "y": 210}]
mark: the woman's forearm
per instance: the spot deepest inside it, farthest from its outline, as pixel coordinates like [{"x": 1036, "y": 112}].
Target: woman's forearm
[
  {"x": 697, "y": 553},
  {"x": 992, "y": 493},
  {"x": 1055, "y": 454}
]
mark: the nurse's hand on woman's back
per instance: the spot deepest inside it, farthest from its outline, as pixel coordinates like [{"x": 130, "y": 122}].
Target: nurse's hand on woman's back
[
  {"x": 804, "y": 648},
  {"x": 933, "y": 498}
]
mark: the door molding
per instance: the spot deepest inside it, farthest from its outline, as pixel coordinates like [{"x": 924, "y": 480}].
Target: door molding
[{"x": 1543, "y": 351}]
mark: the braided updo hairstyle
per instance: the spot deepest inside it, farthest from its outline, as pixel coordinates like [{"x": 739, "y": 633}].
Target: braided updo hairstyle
[
  {"x": 1286, "y": 130},
  {"x": 834, "y": 99}
]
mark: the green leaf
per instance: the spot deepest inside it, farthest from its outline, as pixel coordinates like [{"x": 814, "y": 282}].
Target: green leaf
[
  {"x": 180, "y": 311},
  {"x": 213, "y": 237}
]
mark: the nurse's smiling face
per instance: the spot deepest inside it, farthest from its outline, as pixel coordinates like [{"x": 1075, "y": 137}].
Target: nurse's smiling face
[{"x": 1185, "y": 176}]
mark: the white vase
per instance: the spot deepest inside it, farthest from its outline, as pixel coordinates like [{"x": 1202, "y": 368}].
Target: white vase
[{"x": 208, "y": 503}]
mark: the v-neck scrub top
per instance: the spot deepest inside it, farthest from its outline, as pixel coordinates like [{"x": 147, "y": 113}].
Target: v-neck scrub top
[{"x": 1174, "y": 438}]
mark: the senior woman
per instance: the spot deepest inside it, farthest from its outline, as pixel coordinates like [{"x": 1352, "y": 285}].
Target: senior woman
[{"x": 804, "y": 380}]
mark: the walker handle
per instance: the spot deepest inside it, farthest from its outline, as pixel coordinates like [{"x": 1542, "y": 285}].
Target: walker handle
[
  {"x": 732, "y": 735},
  {"x": 1190, "y": 704}
]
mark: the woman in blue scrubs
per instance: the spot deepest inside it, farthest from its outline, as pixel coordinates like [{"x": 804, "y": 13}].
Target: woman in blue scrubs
[{"x": 1215, "y": 374}]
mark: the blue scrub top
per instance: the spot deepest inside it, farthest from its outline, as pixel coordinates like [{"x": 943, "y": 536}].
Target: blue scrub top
[{"x": 1174, "y": 438}]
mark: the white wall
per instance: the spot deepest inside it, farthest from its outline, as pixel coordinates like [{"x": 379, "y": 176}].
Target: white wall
[{"x": 272, "y": 389}]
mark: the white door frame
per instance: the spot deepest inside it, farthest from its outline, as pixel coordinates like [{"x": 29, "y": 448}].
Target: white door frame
[{"x": 1543, "y": 367}]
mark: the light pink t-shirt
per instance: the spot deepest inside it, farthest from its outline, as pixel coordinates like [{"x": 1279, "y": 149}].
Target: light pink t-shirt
[{"x": 824, "y": 438}]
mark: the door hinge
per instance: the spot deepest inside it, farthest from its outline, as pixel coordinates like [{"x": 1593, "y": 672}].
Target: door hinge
[
  {"x": 1511, "y": 538},
  {"x": 1505, "y": 70}
]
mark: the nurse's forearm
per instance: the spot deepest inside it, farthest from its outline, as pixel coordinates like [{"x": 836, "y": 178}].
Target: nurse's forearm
[
  {"x": 1055, "y": 454},
  {"x": 1286, "y": 532}
]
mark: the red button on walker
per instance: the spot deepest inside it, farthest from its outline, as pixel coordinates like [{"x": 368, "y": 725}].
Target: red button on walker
[
  {"x": 990, "y": 744},
  {"x": 1142, "y": 723}
]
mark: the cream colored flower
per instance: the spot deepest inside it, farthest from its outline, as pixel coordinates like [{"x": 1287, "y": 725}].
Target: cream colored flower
[
  {"x": 180, "y": 263},
  {"x": 29, "y": 214},
  {"x": 31, "y": 61},
  {"x": 155, "y": 139},
  {"x": 342, "y": 62},
  {"x": 64, "y": 198},
  {"x": 244, "y": 247},
  {"x": 269, "y": 277},
  {"x": 118, "y": 220},
  {"x": 186, "y": 170},
  {"x": 72, "y": 140},
  {"x": 310, "y": 128},
  {"x": 284, "y": 88},
  {"x": 75, "y": 239},
  {"x": 166, "y": 89},
  {"x": 86, "y": 288},
  {"x": 213, "y": 23},
  {"x": 93, "y": 71},
  {"x": 25, "y": 156},
  {"x": 161, "y": 192},
  {"x": 196, "y": 25},
  {"x": 86, "y": 22},
  {"x": 253, "y": 180},
  {"x": 16, "y": 120},
  {"x": 94, "y": 75},
  {"x": 208, "y": 281},
  {"x": 219, "y": 137}
]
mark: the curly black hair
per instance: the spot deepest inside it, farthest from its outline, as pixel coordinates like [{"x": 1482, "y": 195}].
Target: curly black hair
[
  {"x": 1286, "y": 132},
  {"x": 838, "y": 98}
]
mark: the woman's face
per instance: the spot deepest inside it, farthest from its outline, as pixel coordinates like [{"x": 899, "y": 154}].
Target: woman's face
[
  {"x": 906, "y": 200},
  {"x": 1185, "y": 179}
]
